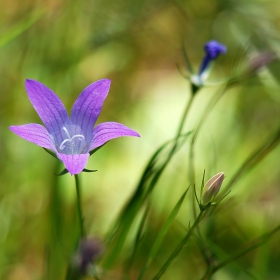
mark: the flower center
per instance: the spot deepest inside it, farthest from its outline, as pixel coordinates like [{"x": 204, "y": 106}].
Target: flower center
[{"x": 73, "y": 144}]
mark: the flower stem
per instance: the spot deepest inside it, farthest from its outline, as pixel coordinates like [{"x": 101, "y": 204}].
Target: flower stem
[
  {"x": 146, "y": 185},
  {"x": 180, "y": 246},
  {"x": 184, "y": 116},
  {"x": 252, "y": 246},
  {"x": 72, "y": 271},
  {"x": 79, "y": 206},
  {"x": 206, "y": 113}
]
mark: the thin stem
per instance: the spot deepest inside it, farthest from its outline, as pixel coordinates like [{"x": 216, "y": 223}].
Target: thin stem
[
  {"x": 173, "y": 149},
  {"x": 79, "y": 206},
  {"x": 179, "y": 247},
  {"x": 179, "y": 131},
  {"x": 257, "y": 243},
  {"x": 136, "y": 201},
  {"x": 184, "y": 116},
  {"x": 207, "y": 111},
  {"x": 255, "y": 158},
  {"x": 73, "y": 272}
]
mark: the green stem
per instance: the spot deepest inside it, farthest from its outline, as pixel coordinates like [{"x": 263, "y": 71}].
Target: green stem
[
  {"x": 184, "y": 116},
  {"x": 177, "y": 137},
  {"x": 179, "y": 247},
  {"x": 79, "y": 206},
  {"x": 257, "y": 243},
  {"x": 72, "y": 272},
  {"x": 261, "y": 152},
  {"x": 206, "y": 113},
  {"x": 136, "y": 201}
]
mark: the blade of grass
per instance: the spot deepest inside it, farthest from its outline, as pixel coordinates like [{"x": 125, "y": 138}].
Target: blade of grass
[
  {"x": 19, "y": 27},
  {"x": 255, "y": 244},
  {"x": 180, "y": 246},
  {"x": 138, "y": 239},
  {"x": 147, "y": 183},
  {"x": 162, "y": 233},
  {"x": 255, "y": 158}
]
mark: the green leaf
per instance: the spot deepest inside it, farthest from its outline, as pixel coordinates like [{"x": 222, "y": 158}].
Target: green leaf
[
  {"x": 160, "y": 237},
  {"x": 51, "y": 153},
  {"x": 88, "y": 170},
  {"x": 63, "y": 172},
  {"x": 138, "y": 239},
  {"x": 95, "y": 150},
  {"x": 151, "y": 174}
]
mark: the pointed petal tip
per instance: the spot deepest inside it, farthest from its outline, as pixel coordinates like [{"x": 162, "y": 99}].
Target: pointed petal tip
[
  {"x": 134, "y": 134},
  {"x": 103, "y": 82},
  {"x": 107, "y": 131},
  {"x": 29, "y": 81},
  {"x": 13, "y": 128},
  {"x": 34, "y": 133}
]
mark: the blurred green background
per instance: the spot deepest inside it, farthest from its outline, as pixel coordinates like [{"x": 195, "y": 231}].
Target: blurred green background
[{"x": 139, "y": 46}]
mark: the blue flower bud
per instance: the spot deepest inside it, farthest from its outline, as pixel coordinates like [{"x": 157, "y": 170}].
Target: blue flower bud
[{"x": 212, "y": 50}]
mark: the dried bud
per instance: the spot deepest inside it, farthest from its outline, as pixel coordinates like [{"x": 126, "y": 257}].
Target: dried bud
[
  {"x": 88, "y": 251},
  {"x": 260, "y": 61},
  {"x": 212, "y": 188}
]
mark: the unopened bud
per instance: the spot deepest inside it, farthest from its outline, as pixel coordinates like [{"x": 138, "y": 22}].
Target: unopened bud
[
  {"x": 211, "y": 188},
  {"x": 88, "y": 251},
  {"x": 260, "y": 61}
]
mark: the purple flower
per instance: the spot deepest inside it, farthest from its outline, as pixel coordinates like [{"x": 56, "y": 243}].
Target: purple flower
[
  {"x": 71, "y": 138},
  {"x": 212, "y": 49}
]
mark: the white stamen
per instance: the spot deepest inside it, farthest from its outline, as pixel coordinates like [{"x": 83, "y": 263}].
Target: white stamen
[
  {"x": 61, "y": 147},
  {"x": 79, "y": 136}
]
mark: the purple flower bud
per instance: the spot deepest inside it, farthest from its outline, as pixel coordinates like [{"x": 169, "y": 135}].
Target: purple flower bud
[
  {"x": 212, "y": 50},
  {"x": 260, "y": 60},
  {"x": 88, "y": 251},
  {"x": 212, "y": 187}
]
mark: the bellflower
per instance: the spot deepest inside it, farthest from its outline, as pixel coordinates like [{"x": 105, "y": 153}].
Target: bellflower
[
  {"x": 71, "y": 138},
  {"x": 212, "y": 50}
]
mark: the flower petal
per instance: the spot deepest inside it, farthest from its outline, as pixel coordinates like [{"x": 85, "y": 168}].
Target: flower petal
[
  {"x": 34, "y": 133},
  {"x": 88, "y": 106},
  {"x": 74, "y": 163},
  {"x": 110, "y": 130},
  {"x": 48, "y": 106}
]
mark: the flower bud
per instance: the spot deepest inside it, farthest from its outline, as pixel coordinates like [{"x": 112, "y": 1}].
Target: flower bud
[
  {"x": 212, "y": 50},
  {"x": 260, "y": 61},
  {"x": 88, "y": 251},
  {"x": 211, "y": 188}
]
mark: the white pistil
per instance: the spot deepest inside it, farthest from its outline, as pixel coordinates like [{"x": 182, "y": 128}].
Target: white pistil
[
  {"x": 69, "y": 139},
  {"x": 66, "y": 131}
]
